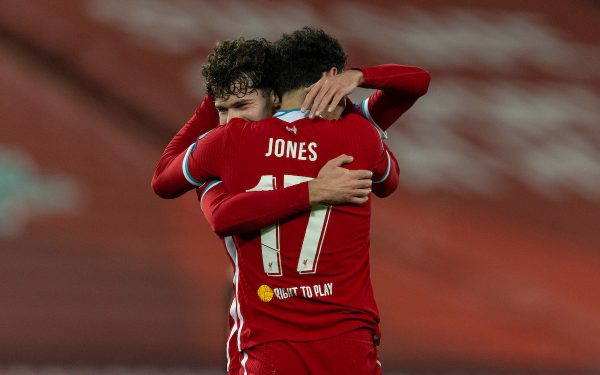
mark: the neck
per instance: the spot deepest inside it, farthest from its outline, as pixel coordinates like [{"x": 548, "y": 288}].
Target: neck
[{"x": 294, "y": 99}]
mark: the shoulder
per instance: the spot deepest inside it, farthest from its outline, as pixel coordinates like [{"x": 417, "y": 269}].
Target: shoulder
[
  {"x": 214, "y": 136},
  {"x": 360, "y": 130},
  {"x": 245, "y": 129},
  {"x": 238, "y": 125},
  {"x": 227, "y": 131},
  {"x": 234, "y": 125},
  {"x": 358, "y": 122}
]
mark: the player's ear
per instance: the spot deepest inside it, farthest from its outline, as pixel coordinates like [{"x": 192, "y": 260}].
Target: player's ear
[
  {"x": 275, "y": 99},
  {"x": 330, "y": 73}
]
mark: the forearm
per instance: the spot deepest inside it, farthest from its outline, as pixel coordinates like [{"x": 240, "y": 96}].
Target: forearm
[
  {"x": 400, "y": 79},
  {"x": 398, "y": 88},
  {"x": 246, "y": 212}
]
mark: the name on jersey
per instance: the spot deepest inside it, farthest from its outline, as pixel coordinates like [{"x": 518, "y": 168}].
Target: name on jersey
[
  {"x": 306, "y": 291},
  {"x": 281, "y": 148}
]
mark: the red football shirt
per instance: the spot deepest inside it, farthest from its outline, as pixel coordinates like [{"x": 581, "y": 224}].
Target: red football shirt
[{"x": 306, "y": 277}]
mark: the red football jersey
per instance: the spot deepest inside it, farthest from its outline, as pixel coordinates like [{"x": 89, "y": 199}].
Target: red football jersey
[{"x": 306, "y": 277}]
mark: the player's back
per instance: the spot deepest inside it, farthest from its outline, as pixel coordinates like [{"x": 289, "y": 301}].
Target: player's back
[{"x": 307, "y": 277}]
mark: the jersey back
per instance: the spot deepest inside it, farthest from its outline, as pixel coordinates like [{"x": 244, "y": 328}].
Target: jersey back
[{"x": 306, "y": 277}]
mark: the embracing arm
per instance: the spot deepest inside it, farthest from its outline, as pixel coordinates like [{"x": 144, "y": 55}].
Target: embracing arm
[
  {"x": 245, "y": 212},
  {"x": 200, "y": 162},
  {"x": 398, "y": 88},
  {"x": 164, "y": 181},
  {"x": 240, "y": 213}
]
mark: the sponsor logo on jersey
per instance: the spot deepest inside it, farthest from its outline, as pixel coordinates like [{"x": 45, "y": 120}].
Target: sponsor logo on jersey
[{"x": 265, "y": 293}]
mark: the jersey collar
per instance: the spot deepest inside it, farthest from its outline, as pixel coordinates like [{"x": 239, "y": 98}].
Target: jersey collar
[{"x": 291, "y": 115}]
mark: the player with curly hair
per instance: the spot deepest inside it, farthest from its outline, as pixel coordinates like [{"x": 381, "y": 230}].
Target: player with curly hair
[{"x": 238, "y": 75}]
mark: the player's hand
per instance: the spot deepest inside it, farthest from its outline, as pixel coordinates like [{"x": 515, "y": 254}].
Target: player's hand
[
  {"x": 337, "y": 185},
  {"x": 329, "y": 91}
]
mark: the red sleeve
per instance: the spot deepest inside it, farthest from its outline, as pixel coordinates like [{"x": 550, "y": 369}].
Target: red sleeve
[
  {"x": 204, "y": 119},
  {"x": 398, "y": 88},
  {"x": 246, "y": 212},
  {"x": 382, "y": 162},
  {"x": 200, "y": 162},
  {"x": 386, "y": 175}
]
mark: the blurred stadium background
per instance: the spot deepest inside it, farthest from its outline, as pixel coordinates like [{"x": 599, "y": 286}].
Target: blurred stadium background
[{"x": 487, "y": 260}]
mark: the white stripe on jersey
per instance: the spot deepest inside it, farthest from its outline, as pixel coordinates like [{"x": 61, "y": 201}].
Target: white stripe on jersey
[
  {"x": 184, "y": 167},
  {"x": 232, "y": 250},
  {"x": 387, "y": 172},
  {"x": 244, "y": 360},
  {"x": 365, "y": 112},
  {"x": 233, "y": 314},
  {"x": 210, "y": 186},
  {"x": 186, "y": 172}
]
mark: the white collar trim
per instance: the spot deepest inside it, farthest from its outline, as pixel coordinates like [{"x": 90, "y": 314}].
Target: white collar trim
[{"x": 291, "y": 115}]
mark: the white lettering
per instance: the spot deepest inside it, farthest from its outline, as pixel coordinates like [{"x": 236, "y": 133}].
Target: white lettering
[
  {"x": 284, "y": 293},
  {"x": 291, "y": 149},
  {"x": 277, "y": 292},
  {"x": 306, "y": 292},
  {"x": 317, "y": 289},
  {"x": 279, "y": 148},
  {"x": 302, "y": 152},
  {"x": 313, "y": 152},
  {"x": 323, "y": 290},
  {"x": 270, "y": 148}
]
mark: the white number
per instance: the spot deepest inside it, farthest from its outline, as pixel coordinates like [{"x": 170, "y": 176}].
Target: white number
[
  {"x": 269, "y": 236},
  {"x": 313, "y": 237}
]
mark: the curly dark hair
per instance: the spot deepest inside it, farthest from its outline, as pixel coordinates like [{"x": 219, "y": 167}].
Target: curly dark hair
[
  {"x": 238, "y": 67},
  {"x": 302, "y": 56}
]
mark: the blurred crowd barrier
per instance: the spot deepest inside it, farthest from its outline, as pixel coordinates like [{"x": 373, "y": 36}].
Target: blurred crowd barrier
[{"x": 486, "y": 258}]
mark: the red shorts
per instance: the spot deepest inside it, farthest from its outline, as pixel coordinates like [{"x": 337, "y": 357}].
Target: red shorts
[{"x": 352, "y": 353}]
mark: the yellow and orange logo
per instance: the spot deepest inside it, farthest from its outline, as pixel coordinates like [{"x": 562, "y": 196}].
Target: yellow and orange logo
[{"x": 265, "y": 293}]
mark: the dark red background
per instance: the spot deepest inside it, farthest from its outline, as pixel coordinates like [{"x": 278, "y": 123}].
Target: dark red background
[{"x": 465, "y": 280}]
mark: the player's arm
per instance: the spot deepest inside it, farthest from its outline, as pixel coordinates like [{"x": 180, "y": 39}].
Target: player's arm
[
  {"x": 398, "y": 88},
  {"x": 245, "y": 212},
  {"x": 189, "y": 169},
  {"x": 386, "y": 173},
  {"x": 205, "y": 118},
  {"x": 240, "y": 213}
]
